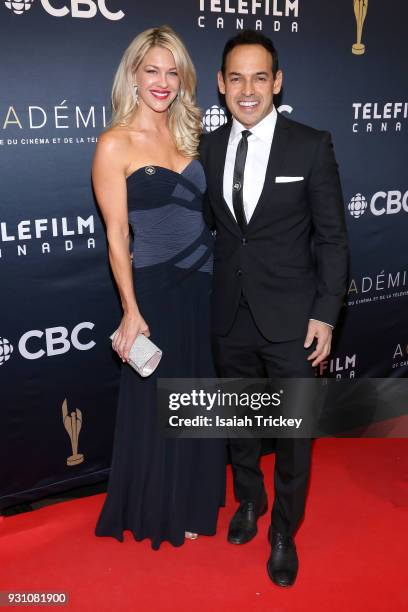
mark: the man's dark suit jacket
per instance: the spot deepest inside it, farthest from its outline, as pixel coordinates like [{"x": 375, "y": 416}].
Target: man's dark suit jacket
[{"x": 291, "y": 261}]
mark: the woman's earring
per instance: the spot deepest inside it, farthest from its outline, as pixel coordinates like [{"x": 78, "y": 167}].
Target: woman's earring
[{"x": 136, "y": 94}]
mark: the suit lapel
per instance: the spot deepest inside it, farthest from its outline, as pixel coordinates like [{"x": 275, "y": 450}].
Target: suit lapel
[{"x": 275, "y": 161}]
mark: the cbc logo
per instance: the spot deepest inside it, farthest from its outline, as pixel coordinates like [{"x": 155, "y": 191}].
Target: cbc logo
[
  {"x": 53, "y": 341},
  {"x": 19, "y": 7},
  {"x": 214, "y": 118},
  {"x": 85, "y": 9},
  {"x": 357, "y": 206},
  {"x": 381, "y": 203},
  {"x": 6, "y": 350}
]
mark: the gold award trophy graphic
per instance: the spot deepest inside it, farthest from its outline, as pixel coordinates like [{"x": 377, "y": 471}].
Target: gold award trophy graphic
[
  {"x": 360, "y": 12},
  {"x": 73, "y": 423}
]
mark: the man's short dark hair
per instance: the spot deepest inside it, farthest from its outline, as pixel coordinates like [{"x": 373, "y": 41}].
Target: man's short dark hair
[{"x": 250, "y": 37}]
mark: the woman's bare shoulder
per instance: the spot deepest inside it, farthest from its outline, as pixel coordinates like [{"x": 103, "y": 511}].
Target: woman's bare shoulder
[
  {"x": 122, "y": 146},
  {"x": 114, "y": 139}
]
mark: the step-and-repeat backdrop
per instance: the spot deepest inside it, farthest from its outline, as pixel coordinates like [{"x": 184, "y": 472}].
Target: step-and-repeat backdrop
[{"x": 344, "y": 66}]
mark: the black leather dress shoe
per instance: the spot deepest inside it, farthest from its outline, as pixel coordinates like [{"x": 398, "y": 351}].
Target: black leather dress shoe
[
  {"x": 283, "y": 562},
  {"x": 243, "y": 524}
]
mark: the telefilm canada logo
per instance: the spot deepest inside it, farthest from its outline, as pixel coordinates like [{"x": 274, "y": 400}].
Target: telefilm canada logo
[
  {"x": 384, "y": 285},
  {"x": 46, "y": 236},
  {"x": 255, "y": 14},
  {"x": 400, "y": 356},
  {"x": 379, "y": 117},
  {"x": 59, "y": 124},
  {"x": 49, "y": 342},
  {"x": 340, "y": 366},
  {"x": 379, "y": 204},
  {"x": 82, "y": 9}
]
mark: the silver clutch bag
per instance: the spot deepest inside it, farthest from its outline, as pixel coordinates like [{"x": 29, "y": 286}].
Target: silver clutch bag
[{"x": 144, "y": 355}]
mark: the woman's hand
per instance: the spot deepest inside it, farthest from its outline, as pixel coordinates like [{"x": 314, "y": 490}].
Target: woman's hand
[{"x": 130, "y": 327}]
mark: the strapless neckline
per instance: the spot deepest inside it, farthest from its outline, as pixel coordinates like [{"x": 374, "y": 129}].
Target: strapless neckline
[{"x": 154, "y": 168}]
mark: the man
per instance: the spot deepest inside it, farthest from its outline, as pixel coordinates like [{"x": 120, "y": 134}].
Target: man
[{"x": 275, "y": 200}]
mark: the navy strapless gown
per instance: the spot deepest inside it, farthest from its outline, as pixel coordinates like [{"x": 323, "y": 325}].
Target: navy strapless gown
[{"x": 159, "y": 487}]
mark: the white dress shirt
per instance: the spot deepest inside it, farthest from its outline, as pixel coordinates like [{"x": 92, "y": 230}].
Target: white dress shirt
[{"x": 259, "y": 148}]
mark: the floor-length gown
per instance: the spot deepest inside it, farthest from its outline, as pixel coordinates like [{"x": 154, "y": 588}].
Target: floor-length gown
[{"x": 161, "y": 487}]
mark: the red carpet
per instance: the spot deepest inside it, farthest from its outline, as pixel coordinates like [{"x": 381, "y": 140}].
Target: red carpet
[{"x": 352, "y": 548}]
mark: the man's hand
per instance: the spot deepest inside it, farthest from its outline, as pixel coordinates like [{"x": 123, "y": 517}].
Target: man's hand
[{"x": 323, "y": 333}]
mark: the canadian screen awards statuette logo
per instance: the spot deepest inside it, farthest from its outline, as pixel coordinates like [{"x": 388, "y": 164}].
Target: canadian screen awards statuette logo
[
  {"x": 360, "y": 13},
  {"x": 73, "y": 423}
]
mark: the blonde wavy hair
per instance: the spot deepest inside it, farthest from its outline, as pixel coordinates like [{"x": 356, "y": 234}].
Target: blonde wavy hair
[{"x": 184, "y": 115}]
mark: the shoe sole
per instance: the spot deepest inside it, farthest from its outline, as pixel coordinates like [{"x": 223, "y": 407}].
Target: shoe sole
[{"x": 238, "y": 542}]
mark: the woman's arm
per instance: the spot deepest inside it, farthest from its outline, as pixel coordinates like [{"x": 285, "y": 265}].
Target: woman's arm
[{"x": 108, "y": 176}]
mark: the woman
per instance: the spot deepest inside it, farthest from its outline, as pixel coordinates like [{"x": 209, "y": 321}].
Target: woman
[{"x": 146, "y": 174}]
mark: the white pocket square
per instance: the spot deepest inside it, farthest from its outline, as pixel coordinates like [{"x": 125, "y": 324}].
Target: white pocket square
[{"x": 288, "y": 179}]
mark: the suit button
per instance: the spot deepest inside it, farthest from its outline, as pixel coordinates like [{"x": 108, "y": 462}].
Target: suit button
[
  {"x": 239, "y": 272},
  {"x": 244, "y": 241}
]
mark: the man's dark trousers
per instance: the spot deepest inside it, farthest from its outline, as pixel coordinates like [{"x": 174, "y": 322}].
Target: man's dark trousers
[{"x": 245, "y": 353}]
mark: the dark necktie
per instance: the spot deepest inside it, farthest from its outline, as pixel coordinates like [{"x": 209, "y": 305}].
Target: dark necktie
[{"x": 238, "y": 181}]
